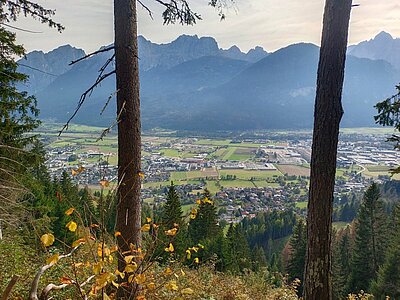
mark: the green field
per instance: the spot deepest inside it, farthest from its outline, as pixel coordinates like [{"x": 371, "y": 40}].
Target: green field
[{"x": 247, "y": 174}]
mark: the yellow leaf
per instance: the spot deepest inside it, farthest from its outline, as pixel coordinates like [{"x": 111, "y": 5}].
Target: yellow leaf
[
  {"x": 140, "y": 278},
  {"x": 117, "y": 233},
  {"x": 187, "y": 291},
  {"x": 196, "y": 260},
  {"x": 70, "y": 211},
  {"x": 128, "y": 259},
  {"x": 151, "y": 286},
  {"x": 115, "y": 284},
  {"x": 80, "y": 169},
  {"x": 188, "y": 254},
  {"x": 78, "y": 242},
  {"x": 103, "y": 279},
  {"x": 104, "y": 183},
  {"x": 168, "y": 271},
  {"x": 71, "y": 226},
  {"x": 47, "y": 239},
  {"x": 97, "y": 267},
  {"x": 52, "y": 260},
  {"x": 103, "y": 250},
  {"x": 148, "y": 220},
  {"x": 172, "y": 286},
  {"x": 74, "y": 172},
  {"x": 171, "y": 232},
  {"x": 146, "y": 227},
  {"x": 183, "y": 273},
  {"x": 141, "y": 297},
  {"x": 198, "y": 201},
  {"x": 120, "y": 274},
  {"x": 170, "y": 248},
  {"x": 106, "y": 296},
  {"x": 141, "y": 175},
  {"x": 130, "y": 268}
]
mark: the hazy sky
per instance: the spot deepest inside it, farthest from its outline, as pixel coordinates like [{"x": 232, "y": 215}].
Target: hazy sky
[{"x": 271, "y": 24}]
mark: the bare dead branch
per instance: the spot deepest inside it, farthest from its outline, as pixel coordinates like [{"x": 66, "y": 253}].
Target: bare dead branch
[
  {"x": 103, "y": 68},
  {"x": 83, "y": 98},
  {"x": 35, "y": 283},
  {"x": 146, "y": 8},
  {"x": 50, "y": 287},
  {"x": 107, "y": 130},
  {"x": 108, "y": 101},
  {"x": 91, "y": 54},
  {"x": 9, "y": 287}
]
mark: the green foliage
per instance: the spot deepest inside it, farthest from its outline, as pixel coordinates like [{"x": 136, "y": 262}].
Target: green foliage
[
  {"x": 298, "y": 245},
  {"x": 370, "y": 241},
  {"x": 388, "y": 280}
]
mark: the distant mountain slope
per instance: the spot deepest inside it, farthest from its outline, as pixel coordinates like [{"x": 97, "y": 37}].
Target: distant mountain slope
[
  {"x": 55, "y": 62},
  {"x": 279, "y": 91},
  {"x": 383, "y": 46},
  {"x": 184, "y": 86}
]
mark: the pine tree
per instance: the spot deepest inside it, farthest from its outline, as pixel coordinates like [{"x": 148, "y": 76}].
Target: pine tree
[
  {"x": 341, "y": 263},
  {"x": 237, "y": 250},
  {"x": 298, "y": 243},
  {"x": 205, "y": 225},
  {"x": 388, "y": 279},
  {"x": 370, "y": 241},
  {"x": 172, "y": 219},
  {"x": 172, "y": 211}
]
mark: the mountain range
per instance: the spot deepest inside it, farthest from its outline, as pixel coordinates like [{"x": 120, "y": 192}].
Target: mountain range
[{"x": 192, "y": 84}]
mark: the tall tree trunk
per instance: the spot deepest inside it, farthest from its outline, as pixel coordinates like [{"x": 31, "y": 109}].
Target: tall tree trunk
[
  {"x": 129, "y": 127},
  {"x": 327, "y": 115}
]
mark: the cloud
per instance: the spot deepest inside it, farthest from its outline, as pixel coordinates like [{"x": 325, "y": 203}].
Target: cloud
[{"x": 269, "y": 23}]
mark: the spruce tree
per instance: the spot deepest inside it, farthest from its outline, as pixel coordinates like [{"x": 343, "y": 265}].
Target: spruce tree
[
  {"x": 298, "y": 243},
  {"x": 370, "y": 241},
  {"x": 388, "y": 279},
  {"x": 205, "y": 224},
  {"x": 172, "y": 211}
]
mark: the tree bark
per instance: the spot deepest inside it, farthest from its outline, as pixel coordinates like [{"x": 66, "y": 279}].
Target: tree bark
[
  {"x": 327, "y": 115},
  {"x": 129, "y": 128}
]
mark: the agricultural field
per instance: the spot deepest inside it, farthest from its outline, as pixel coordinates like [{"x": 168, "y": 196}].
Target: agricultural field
[{"x": 294, "y": 170}]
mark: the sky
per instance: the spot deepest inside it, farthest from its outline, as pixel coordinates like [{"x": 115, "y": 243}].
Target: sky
[{"x": 271, "y": 24}]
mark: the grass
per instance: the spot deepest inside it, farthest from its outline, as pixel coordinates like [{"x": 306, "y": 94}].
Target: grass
[
  {"x": 301, "y": 205},
  {"x": 339, "y": 225}
]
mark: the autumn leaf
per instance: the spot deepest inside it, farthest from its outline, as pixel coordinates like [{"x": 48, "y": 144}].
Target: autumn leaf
[
  {"x": 188, "y": 254},
  {"x": 78, "y": 242},
  {"x": 146, "y": 228},
  {"x": 47, "y": 239},
  {"x": 130, "y": 268},
  {"x": 151, "y": 286},
  {"x": 104, "y": 183},
  {"x": 171, "y": 232},
  {"x": 141, "y": 175},
  {"x": 74, "y": 172},
  {"x": 198, "y": 201},
  {"x": 72, "y": 226},
  {"x": 66, "y": 280},
  {"x": 52, "y": 260},
  {"x": 140, "y": 278},
  {"x": 172, "y": 286},
  {"x": 187, "y": 291},
  {"x": 170, "y": 248},
  {"x": 80, "y": 169},
  {"x": 97, "y": 267},
  {"x": 168, "y": 271},
  {"x": 120, "y": 274},
  {"x": 196, "y": 260},
  {"x": 128, "y": 259},
  {"x": 117, "y": 233},
  {"x": 148, "y": 220},
  {"x": 70, "y": 211}
]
